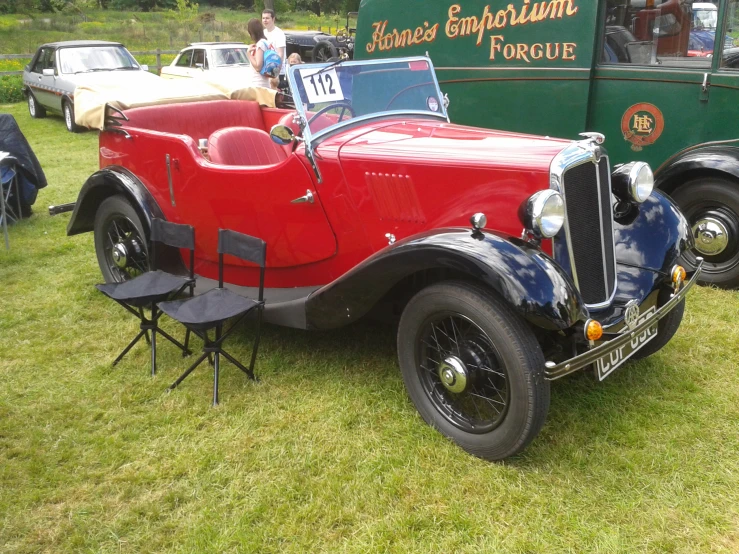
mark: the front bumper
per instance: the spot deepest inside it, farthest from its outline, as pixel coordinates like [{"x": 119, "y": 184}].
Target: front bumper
[{"x": 555, "y": 371}]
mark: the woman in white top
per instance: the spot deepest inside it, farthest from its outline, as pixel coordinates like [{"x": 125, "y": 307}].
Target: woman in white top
[{"x": 256, "y": 52}]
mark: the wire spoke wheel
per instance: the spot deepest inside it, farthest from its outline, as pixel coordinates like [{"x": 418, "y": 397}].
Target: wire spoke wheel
[
  {"x": 473, "y": 368},
  {"x": 461, "y": 372},
  {"x": 120, "y": 242}
]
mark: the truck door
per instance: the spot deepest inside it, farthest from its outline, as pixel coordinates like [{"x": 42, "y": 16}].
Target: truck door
[{"x": 651, "y": 94}]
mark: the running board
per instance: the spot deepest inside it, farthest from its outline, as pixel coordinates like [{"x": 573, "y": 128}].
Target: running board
[{"x": 282, "y": 306}]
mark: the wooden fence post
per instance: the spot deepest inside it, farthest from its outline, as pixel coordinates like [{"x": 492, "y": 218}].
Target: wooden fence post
[{"x": 159, "y": 60}]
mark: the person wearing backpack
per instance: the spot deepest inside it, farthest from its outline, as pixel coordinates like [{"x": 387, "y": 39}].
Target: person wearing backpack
[{"x": 263, "y": 58}]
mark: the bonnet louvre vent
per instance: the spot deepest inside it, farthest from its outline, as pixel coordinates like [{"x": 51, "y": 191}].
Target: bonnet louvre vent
[{"x": 394, "y": 197}]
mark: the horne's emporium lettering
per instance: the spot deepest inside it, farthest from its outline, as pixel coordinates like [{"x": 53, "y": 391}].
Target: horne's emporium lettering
[
  {"x": 493, "y": 18},
  {"x": 400, "y": 39}
]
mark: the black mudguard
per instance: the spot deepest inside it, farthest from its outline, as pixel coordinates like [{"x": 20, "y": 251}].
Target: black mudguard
[
  {"x": 533, "y": 284},
  {"x": 716, "y": 159},
  {"x": 649, "y": 243},
  {"x": 108, "y": 182}
]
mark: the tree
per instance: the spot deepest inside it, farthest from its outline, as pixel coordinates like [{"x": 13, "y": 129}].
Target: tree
[{"x": 269, "y": 4}]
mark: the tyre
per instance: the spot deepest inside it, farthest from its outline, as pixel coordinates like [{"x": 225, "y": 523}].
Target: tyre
[
  {"x": 68, "y": 112},
  {"x": 323, "y": 51},
  {"x": 120, "y": 241},
  {"x": 34, "y": 108},
  {"x": 666, "y": 328},
  {"x": 473, "y": 369},
  {"x": 711, "y": 205}
]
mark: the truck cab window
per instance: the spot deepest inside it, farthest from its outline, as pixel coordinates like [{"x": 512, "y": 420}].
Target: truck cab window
[{"x": 660, "y": 33}]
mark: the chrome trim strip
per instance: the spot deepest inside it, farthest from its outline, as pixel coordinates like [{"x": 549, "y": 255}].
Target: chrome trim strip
[{"x": 555, "y": 371}]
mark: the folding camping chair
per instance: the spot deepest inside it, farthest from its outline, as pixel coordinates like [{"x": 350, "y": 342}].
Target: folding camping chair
[
  {"x": 8, "y": 182},
  {"x": 155, "y": 286},
  {"x": 212, "y": 309}
]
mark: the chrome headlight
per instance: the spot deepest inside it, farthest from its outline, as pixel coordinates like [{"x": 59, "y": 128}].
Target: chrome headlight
[
  {"x": 545, "y": 213},
  {"x": 633, "y": 182}
]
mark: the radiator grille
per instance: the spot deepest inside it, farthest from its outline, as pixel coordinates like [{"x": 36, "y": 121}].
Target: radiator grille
[{"x": 589, "y": 217}]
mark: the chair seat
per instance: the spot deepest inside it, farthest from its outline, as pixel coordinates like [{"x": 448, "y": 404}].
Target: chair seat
[
  {"x": 152, "y": 286},
  {"x": 209, "y": 309}
]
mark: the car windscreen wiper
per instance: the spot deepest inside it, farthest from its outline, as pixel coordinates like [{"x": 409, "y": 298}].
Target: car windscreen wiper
[{"x": 329, "y": 66}]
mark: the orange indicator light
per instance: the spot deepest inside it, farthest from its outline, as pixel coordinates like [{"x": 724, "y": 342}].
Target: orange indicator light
[
  {"x": 593, "y": 330},
  {"x": 678, "y": 274}
]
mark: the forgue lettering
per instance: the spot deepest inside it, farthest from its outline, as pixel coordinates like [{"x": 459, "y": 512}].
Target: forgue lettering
[{"x": 521, "y": 52}]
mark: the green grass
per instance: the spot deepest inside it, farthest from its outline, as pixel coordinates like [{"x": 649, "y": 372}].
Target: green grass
[{"x": 326, "y": 453}]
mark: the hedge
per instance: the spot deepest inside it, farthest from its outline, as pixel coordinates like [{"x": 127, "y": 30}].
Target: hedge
[{"x": 11, "y": 89}]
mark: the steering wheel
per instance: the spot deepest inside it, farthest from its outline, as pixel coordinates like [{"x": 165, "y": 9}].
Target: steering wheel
[{"x": 345, "y": 107}]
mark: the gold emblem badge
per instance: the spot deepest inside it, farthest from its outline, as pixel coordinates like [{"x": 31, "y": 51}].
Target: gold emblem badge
[
  {"x": 642, "y": 125},
  {"x": 631, "y": 316}
]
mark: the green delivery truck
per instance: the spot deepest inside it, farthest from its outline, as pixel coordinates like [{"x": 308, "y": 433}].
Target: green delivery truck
[{"x": 659, "y": 78}]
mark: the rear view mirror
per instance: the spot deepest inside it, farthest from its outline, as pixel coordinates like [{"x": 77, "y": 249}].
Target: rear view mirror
[{"x": 282, "y": 135}]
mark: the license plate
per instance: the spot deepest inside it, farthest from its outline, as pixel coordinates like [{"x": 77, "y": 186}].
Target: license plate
[{"x": 606, "y": 364}]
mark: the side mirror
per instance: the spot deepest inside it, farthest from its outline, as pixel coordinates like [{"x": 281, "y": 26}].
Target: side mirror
[
  {"x": 282, "y": 135},
  {"x": 48, "y": 72},
  {"x": 144, "y": 68},
  {"x": 199, "y": 65}
]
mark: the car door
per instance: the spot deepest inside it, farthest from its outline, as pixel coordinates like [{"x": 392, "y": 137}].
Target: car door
[
  {"x": 198, "y": 64},
  {"x": 276, "y": 202},
  {"x": 649, "y": 97},
  {"x": 42, "y": 86},
  {"x": 181, "y": 67}
]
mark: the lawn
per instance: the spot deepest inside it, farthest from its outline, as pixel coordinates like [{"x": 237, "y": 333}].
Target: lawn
[{"x": 326, "y": 453}]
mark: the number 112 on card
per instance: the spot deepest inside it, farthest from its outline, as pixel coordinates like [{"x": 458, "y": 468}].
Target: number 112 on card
[{"x": 322, "y": 86}]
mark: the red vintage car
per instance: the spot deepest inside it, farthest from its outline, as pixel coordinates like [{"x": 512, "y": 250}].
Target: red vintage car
[{"x": 512, "y": 259}]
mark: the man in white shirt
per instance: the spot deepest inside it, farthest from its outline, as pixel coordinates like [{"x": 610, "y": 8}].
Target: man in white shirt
[{"x": 276, "y": 37}]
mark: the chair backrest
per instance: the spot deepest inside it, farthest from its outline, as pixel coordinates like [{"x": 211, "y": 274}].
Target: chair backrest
[
  {"x": 245, "y": 247},
  {"x": 243, "y": 146},
  {"x": 173, "y": 234}
]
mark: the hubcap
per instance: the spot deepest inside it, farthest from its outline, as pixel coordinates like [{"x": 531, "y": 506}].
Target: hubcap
[
  {"x": 711, "y": 236},
  {"x": 120, "y": 256},
  {"x": 453, "y": 374}
]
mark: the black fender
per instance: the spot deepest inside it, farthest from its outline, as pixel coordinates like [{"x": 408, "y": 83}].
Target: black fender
[
  {"x": 108, "y": 182},
  {"x": 529, "y": 280},
  {"x": 716, "y": 159},
  {"x": 649, "y": 243}
]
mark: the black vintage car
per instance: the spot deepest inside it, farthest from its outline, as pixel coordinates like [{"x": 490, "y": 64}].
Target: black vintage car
[{"x": 317, "y": 46}]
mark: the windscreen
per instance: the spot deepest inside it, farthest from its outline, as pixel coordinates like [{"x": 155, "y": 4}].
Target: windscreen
[
  {"x": 329, "y": 95},
  {"x": 230, "y": 56},
  {"x": 95, "y": 58}
]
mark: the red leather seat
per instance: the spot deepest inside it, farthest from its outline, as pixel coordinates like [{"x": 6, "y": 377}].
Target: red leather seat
[{"x": 243, "y": 146}]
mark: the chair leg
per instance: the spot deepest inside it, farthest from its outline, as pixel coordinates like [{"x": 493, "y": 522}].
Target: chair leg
[
  {"x": 143, "y": 318},
  {"x": 189, "y": 371},
  {"x": 238, "y": 364},
  {"x": 186, "y": 351},
  {"x": 4, "y": 218},
  {"x": 130, "y": 345},
  {"x": 216, "y": 369},
  {"x": 256, "y": 342},
  {"x": 183, "y": 347},
  {"x": 154, "y": 351}
]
